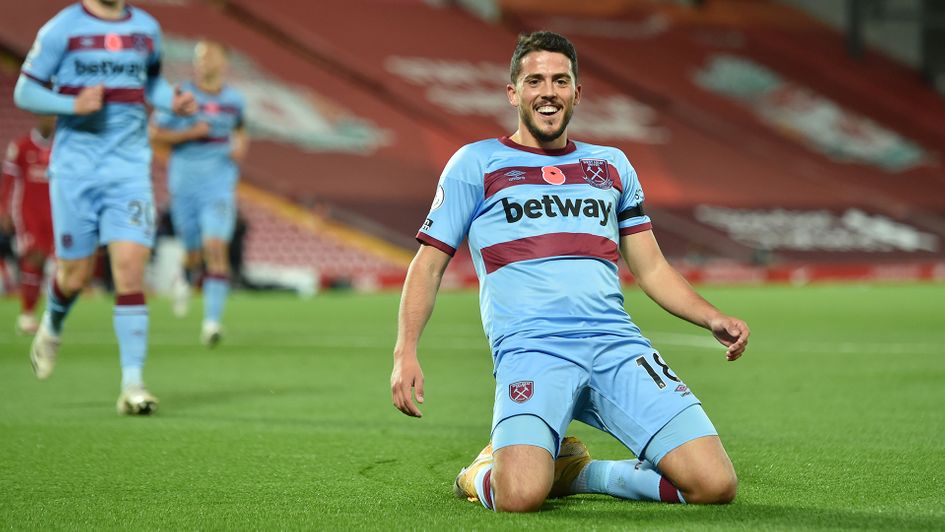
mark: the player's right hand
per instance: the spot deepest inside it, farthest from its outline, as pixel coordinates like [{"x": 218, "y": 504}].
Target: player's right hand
[
  {"x": 184, "y": 103},
  {"x": 731, "y": 332},
  {"x": 200, "y": 130},
  {"x": 89, "y": 100},
  {"x": 406, "y": 378}
]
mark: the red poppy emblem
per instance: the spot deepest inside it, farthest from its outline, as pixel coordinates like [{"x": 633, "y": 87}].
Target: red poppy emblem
[{"x": 113, "y": 42}]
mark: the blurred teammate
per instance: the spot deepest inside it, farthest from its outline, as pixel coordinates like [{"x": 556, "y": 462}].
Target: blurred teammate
[
  {"x": 207, "y": 149},
  {"x": 95, "y": 64},
  {"x": 24, "y": 207},
  {"x": 546, "y": 219}
]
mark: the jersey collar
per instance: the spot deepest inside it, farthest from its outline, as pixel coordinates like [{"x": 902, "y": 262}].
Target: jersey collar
[
  {"x": 569, "y": 147},
  {"x": 88, "y": 12}
]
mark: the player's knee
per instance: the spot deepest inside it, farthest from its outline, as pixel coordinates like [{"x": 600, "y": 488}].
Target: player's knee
[
  {"x": 723, "y": 489},
  {"x": 216, "y": 256},
  {"x": 70, "y": 284},
  {"x": 715, "y": 489},
  {"x": 128, "y": 270},
  {"x": 218, "y": 267},
  {"x": 519, "y": 492},
  {"x": 194, "y": 259},
  {"x": 519, "y": 498},
  {"x": 129, "y": 276},
  {"x": 72, "y": 279}
]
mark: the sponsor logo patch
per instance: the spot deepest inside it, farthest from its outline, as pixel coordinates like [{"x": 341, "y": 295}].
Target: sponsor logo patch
[
  {"x": 597, "y": 173},
  {"x": 427, "y": 225},
  {"x": 438, "y": 199},
  {"x": 33, "y": 54},
  {"x": 552, "y": 206},
  {"x": 66, "y": 240},
  {"x": 521, "y": 391}
]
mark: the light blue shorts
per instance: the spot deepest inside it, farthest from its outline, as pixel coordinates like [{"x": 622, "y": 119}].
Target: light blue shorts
[
  {"x": 88, "y": 213},
  {"x": 198, "y": 217},
  {"x": 688, "y": 425},
  {"x": 619, "y": 385}
]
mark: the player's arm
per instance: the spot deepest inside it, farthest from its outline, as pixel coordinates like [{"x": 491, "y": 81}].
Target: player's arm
[
  {"x": 240, "y": 145},
  {"x": 416, "y": 306},
  {"x": 33, "y": 93},
  {"x": 240, "y": 139},
  {"x": 34, "y": 97},
  {"x": 171, "y": 136},
  {"x": 159, "y": 92},
  {"x": 162, "y": 95},
  {"x": 663, "y": 284}
]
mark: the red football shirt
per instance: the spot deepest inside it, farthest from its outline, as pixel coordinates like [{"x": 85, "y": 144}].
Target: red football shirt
[{"x": 24, "y": 188}]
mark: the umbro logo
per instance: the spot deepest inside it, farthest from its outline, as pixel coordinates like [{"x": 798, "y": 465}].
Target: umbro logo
[{"x": 515, "y": 175}]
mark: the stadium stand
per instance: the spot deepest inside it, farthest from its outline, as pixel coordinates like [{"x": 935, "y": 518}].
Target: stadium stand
[
  {"x": 766, "y": 153},
  {"x": 810, "y": 166}
]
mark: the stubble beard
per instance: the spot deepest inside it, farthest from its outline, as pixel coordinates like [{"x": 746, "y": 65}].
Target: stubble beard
[{"x": 540, "y": 135}]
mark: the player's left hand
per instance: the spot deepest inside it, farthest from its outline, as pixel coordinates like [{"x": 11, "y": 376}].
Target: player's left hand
[
  {"x": 238, "y": 152},
  {"x": 732, "y": 333},
  {"x": 184, "y": 103}
]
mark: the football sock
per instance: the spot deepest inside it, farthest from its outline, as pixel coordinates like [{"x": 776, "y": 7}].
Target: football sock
[
  {"x": 131, "y": 328},
  {"x": 57, "y": 307},
  {"x": 215, "y": 290},
  {"x": 484, "y": 487},
  {"x": 31, "y": 278},
  {"x": 626, "y": 479}
]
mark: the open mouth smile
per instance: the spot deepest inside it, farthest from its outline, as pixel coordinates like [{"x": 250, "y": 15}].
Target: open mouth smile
[{"x": 547, "y": 110}]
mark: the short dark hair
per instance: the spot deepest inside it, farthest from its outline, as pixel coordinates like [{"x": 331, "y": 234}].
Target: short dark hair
[{"x": 541, "y": 41}]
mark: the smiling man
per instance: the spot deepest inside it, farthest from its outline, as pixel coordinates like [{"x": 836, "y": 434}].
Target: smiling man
[{"x": 547, "y": 219}]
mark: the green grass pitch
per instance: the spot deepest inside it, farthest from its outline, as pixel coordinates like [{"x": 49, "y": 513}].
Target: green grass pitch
[{"x": 834, "y": 418}]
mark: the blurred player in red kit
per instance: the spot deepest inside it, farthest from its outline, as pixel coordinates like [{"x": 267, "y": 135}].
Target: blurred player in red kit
[{"x": 24, "y": 207}]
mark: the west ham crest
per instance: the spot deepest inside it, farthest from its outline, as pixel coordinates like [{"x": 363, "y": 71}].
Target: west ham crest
[
  {"x": 521, "y": 391},
  {"x": 140, "y": 42},
  {"x": 597, "y": 173}
]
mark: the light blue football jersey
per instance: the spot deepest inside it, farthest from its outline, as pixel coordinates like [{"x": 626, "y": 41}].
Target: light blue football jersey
[
  {"x": 205, "y": 165},
  {"x": 543, "y": 228},
  {"x": 76, "y": 49}
]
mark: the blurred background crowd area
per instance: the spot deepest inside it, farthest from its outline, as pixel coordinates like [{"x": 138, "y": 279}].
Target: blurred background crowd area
[{"x": 784, "y": 141}]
